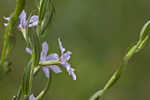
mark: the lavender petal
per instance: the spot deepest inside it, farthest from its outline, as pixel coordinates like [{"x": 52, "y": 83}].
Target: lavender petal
[
  {"x": 65, "y": 57},
  {"x": 22, "y": 18},
  {"x": 74, "y": 76},
  {"x": 61, "y": 46},
  {"x": 31, "y": 97},
  {"x": 33, "y": 21},
  {"x": 53, "y": 56},
  {"x": 44, "y": 51},
  {"x": 46, "y": 71},
  {"x": 7, "y": 18},
  {"x": 34, "y": 18},
  {"x": 67, "y": 66},
  {"x": 55, "y": 68},
  {"x": 29, "y": 51},
  {"x": 71, "y": 72},
  {"x": 33, "y": 24}
]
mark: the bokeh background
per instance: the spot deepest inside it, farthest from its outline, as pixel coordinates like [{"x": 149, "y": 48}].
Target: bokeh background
[{"x": 98, "y": 32}]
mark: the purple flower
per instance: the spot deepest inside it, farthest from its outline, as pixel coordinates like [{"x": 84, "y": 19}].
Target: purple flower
[
  {"x": 44, "y": 57},
  {"x": 33, "y": 21},
  {"x": 23, "y": 22},
  {"x": 31, "y": 97},
  {"x": 63, "y": 60}
]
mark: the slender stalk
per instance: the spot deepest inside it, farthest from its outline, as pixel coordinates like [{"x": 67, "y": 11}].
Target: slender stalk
[
  {"x": 52, "y": 62},
  {"x": 8, "y": 34},
  {"x": 45, "y": 90},
  {"x": 144, "y": 37},
  {"x": 18, "y": 96}
]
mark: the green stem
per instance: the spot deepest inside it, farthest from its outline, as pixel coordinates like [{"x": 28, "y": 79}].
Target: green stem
[
  {"x": 18, "y": 96},
  {"x": 44, "y": 91},
  {"x": 31, "y": 78},
  {"x": 110, "y": 83},
  {"x": 9, "y": 30},
  {"x": 52, "y": 62},
  {"x": 144, "y": 37}
]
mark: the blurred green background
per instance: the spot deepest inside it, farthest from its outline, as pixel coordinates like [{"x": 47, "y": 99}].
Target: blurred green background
[{"x": 98, "y": 32}]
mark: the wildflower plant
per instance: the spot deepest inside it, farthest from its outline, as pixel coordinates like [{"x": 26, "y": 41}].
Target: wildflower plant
[{"x": 33, "y": 30}]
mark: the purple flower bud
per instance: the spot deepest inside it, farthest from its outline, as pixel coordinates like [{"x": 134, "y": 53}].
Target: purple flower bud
[
  {"x": 33, "y": 21},
  {"x": 22, "y": 18}
]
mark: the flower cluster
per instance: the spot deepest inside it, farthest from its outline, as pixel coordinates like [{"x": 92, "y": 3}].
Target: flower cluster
[
  {"x": 63, "y": 60},
  {"x": 33, "y": 21}
]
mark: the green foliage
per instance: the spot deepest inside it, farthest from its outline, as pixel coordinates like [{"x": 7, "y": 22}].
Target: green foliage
[
  {"x": 46, "y": 13},
  {"x": 36, "y": 47},
  {"x": 26, "y": 85}
]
